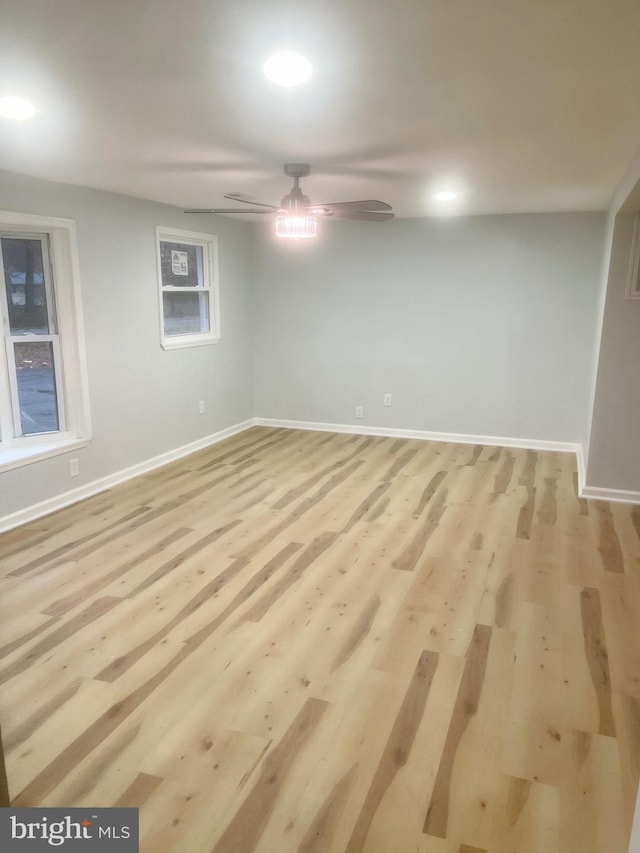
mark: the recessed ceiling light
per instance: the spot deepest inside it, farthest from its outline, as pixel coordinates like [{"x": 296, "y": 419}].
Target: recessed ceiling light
[
  {"x": 287, "y": 69},
  {"x": 445, "y": 195},
  {"x": 16, "y": 108}
]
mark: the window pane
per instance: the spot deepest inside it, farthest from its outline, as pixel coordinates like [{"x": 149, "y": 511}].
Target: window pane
[
  {"x": 24, "y": 282},
  {"x": 36, "y": 387},
  {"x": 185, "y": 313},
  {"x": 182, "y": 265}
]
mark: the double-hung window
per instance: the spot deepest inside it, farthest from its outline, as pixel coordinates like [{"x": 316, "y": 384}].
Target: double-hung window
[
  {"x": 43, "y": 389},
  {"x": 188, "y": 278}
]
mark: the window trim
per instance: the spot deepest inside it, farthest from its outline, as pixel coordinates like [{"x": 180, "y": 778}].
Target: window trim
[
  {"x": 74, "y": 391},
  {"x": 209, "y": 245},
  {"x": 633, "y": 283}
]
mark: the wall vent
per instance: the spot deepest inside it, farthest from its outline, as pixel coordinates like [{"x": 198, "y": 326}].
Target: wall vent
[{"x": 633, "y": 288}]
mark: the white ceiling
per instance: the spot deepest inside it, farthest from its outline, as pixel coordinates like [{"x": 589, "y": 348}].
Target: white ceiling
[{"x": 520, "y": 105}]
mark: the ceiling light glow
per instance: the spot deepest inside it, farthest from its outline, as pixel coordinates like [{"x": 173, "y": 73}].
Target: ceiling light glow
[
  {"x": 16, "y": 108},
  {"x": 445, "y": 195},
  {"x": 287, "y": 69},
  {"x": 296, "y": 226}
]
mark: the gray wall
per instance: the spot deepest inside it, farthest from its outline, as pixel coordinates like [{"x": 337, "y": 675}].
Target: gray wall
[
  {"x": 614, "y": 449},
  {"x": 480, "y": 325},
  {"x": 143, "y": 399}
]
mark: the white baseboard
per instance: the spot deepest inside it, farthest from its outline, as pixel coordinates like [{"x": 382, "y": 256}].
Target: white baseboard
[
  {"x": 620, "y": 496},
  {"x": 584, "y": 491},
  {"x": 599, "y": 493},
  {"x": 88, "y": 489},
  {"x": 38, "y": 510},
  {"x": 424, "y": 435}
]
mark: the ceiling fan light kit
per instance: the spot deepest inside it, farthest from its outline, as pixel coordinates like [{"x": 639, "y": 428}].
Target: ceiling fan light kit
[
  {"x": 295, "y": 220},
  {"x": 296, "y": 227},
  {"x": 296, "y": 216}
]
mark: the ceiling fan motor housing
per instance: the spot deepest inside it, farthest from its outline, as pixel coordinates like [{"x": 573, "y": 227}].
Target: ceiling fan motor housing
[{"x": 296, "y": 201}]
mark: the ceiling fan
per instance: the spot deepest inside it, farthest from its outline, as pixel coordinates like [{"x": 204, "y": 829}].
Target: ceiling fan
[{"x": 296, "y": 215}]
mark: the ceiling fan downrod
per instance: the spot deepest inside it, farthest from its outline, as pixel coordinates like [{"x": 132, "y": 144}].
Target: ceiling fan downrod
[{"x": 296, "y": 201}]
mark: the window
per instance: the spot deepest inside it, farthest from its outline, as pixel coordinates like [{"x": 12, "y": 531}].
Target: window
[
  {"x": 188, "y": 274},
  {"x": 43, "y": 387}
]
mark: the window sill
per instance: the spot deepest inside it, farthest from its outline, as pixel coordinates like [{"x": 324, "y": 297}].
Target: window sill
[
  {"x": 16, "y": 457},
  {"x": 184, "y": 342}
]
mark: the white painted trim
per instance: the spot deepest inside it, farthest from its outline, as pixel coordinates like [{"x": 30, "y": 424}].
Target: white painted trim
[
  {"x": 424, "y": 435},
  {"x": 609, "y": 232},
  {"x": 584, "y": 491},
  {"x": 615, "y": 495},
  {"x": 63, "y": 260},
  {"x": 8, "y": 522},
  {"x": 582, "y": 470},
  {"x": 88, "y": 489},
  {"x": 633, "y": 283},
  {"x": 210, "y": 287},
  {"x": 30, "y": 451}
]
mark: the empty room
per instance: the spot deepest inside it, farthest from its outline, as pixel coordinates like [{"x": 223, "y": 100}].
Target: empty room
[{"x": 320, "y": 426}]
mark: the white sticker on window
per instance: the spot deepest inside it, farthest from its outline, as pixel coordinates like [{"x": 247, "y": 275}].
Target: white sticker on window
[{"x": 179, "y": 263}]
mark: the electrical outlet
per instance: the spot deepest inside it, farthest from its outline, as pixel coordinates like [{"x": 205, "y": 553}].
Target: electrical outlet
[
  {"x": 359, "y": 412},
  {"x": 201, "y": 407},
  {"x": 74, "y": 468},
  {"x": 387, "y": 399}
]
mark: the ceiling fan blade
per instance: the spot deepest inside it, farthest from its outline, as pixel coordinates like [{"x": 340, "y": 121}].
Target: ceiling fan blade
[
  {"x": 233, "y": 197},
  {"x": 227, "y": 210},
  {"x": 369, "y": 215},
  {"x": 368, "y": 204}
]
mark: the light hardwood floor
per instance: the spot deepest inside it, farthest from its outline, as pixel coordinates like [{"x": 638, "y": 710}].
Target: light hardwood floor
[{"x": 300, "y": 642}]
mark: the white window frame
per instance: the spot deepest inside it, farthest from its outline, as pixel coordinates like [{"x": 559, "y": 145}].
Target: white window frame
[
  {"x": 633, "y": 284},
  {"x": 210, "y": 289},
  {"x": 62, "y": 280}
]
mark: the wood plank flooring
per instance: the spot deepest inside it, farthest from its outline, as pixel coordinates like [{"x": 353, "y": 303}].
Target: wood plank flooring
[{"x": 301, "y": 642}]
